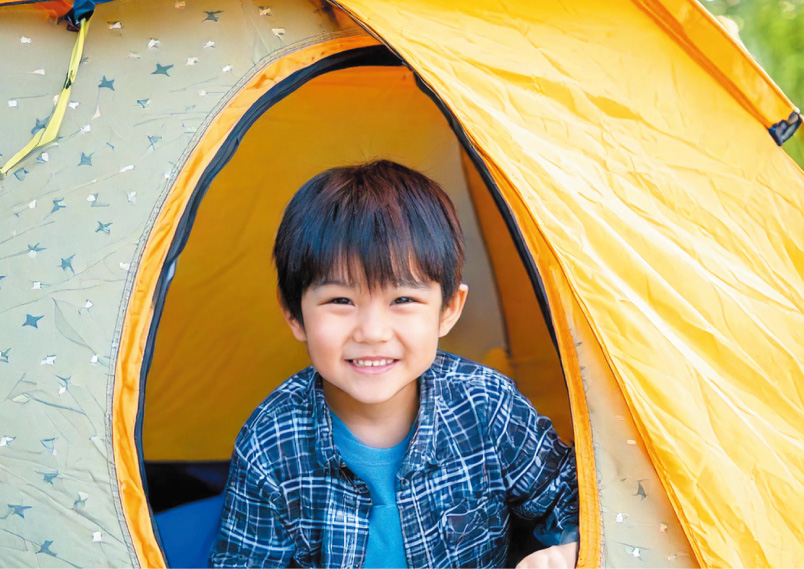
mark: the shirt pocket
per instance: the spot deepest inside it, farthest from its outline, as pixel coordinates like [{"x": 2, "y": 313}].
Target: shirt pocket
[{"x": 475, "y": 532}]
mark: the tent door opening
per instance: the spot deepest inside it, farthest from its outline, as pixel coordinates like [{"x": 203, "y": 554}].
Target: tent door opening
[{"x": 222, "y": 346}]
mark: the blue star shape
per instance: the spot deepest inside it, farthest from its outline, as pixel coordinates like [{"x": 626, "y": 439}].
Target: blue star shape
[
  {"x": 103, "y": 227},
  {"x": 35, "y": 248},
  {"x": 19, "y": 173},
  {"x": 68, "y": 263},
  {"x": 31, "y": 320},
  {"x": 45, "y": 548},
  {"x": 64, "y": 381},
  {"x": 86, "y": 159},
  {"x": 162, "y": 70},
  {"x": 4, "y": 355},
  {"x": 49, "y": 476},
  {"x": 106, "y": 83},
  {"x": 143, "y": 102},
  {"x": 19, "y": 509},
  {"x": 152, "y": 140},
  {"x": 39, "y": 126},
  {"x": 57, "y": 205},
  {"x": 212, "y": 15}
]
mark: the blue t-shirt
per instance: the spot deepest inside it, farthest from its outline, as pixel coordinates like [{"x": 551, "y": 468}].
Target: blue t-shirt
[{"x": 377, "y": 467}]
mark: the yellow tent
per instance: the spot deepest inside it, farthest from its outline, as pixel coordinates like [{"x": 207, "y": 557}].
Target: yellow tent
[{"x": 635, "y": 240}]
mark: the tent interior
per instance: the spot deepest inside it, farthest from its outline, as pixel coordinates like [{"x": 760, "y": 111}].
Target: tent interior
[{"x": 222, "y": 344}]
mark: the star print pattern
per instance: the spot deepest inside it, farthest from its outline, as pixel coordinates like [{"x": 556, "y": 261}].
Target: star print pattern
[
  {"x": 67, "y": 264},
  {"x": 57, "y": 205},
  {"x": 162, "y": 70},
  {"x": 106, "y": 84},
  {"x": 31, "y": 320},
  {"x": 19, "y": 509},
  {"x": 40, "y": 125}
]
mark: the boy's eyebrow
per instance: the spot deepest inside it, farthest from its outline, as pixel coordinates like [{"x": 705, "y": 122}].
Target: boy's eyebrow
[
  {"x": 401, "y": 283},
  {"x": 412, "y": 284},
  {"x": 336, "y": 282}
]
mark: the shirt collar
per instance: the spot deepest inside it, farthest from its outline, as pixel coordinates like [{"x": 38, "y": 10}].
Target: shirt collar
[
  {"x": 422, "y": 452},
  {"x": 325, "y": 450}
]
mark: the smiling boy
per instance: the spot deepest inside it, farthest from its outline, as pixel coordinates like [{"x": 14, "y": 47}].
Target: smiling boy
[{"x": 387, "y": 452}]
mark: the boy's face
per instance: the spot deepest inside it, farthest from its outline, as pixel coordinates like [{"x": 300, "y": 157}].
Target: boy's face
[{"x": 372, "y": 345}]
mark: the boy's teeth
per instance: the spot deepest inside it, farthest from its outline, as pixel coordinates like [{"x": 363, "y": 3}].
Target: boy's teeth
[{"x": 372, "y": 363}]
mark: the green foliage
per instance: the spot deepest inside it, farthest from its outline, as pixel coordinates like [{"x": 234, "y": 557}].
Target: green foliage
[{"x": 773, "y": 31}]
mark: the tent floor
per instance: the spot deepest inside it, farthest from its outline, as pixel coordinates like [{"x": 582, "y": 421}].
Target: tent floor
[{"x": 172, "y": 484}]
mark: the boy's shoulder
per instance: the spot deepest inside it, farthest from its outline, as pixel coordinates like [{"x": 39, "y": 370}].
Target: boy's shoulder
[
  {"x": 480, "y": 405},
  {"x": 290, "y": 403},
  {"x": 459, "y": 377}
]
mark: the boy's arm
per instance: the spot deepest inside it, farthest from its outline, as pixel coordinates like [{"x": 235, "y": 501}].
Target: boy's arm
[
  {"x": 539, "y": 469},
  {"x": 252, "y": 531}
]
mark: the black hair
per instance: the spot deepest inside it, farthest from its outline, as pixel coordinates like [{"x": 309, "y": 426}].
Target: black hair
[{"x": 381, "y": 222}]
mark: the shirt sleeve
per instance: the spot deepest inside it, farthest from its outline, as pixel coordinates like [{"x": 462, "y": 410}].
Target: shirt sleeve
[
  {"x": 252, "y": 531},
  {"x": 539, "y": 469}
]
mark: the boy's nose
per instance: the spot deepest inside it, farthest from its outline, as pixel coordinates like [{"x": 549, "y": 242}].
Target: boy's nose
[{"x": 372, "y": 326}]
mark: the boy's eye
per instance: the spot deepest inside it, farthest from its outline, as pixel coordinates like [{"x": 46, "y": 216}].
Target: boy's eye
[
  {"x": 403, "y": 300},
  {"x": 340, "y": 300}
]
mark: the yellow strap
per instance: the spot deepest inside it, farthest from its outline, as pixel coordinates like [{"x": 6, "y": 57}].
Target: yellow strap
[{"x": 49, "y": 133}]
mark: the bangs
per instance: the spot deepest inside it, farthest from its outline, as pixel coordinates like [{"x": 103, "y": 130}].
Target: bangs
[{"x": 375, "y": 263}]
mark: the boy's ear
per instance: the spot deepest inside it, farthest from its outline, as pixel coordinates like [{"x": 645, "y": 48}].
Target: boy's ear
[
  {"x": 295, "y": 326},
  {"x": 452, "y": 310}
]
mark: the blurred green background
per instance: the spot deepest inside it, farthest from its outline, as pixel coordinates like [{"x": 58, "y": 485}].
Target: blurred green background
[{"x": 773, "y": 31}]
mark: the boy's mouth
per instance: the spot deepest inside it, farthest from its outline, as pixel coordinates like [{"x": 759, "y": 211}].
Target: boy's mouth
[{"x": 371, "y": 362}]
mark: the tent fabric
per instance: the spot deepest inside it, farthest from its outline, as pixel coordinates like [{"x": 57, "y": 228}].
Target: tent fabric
[
  {"x": 621, "y": 164},
  {"x": 638, "y": 525},
  {"x": 628, "y": 141},
  {"x": 708, "y": 43}
]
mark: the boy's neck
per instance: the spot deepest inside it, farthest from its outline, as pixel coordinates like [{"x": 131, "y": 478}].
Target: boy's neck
[{"x": 380, "y": 425}]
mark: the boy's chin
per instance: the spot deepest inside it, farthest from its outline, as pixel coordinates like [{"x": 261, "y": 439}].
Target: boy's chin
[
  {"x": 379, "y": 398},
  {"x": 374, "y": 395}
]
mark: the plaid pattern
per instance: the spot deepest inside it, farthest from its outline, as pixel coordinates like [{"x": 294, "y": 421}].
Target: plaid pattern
[{"x": 479, "y": 453}]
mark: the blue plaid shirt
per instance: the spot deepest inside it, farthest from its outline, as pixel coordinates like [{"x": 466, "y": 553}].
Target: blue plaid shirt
[{"x": 480, "y": 452}]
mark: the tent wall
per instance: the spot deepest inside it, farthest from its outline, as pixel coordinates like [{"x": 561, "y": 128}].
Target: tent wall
[
  {"x": 626, "y": 517},
  {"x": 677, "y": 222},
  {"x": 638, "y": 525}
]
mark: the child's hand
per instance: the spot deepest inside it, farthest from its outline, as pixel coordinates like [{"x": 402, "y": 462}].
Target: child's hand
[{"x": 556, "y": 557}]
